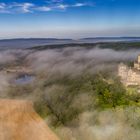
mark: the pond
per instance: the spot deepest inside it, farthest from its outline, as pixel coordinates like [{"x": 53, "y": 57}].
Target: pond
[{"x": 24, "y": 79}]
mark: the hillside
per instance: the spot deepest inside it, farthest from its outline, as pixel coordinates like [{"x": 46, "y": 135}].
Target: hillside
[
  {"x": 24, "y": 43},
  {"x": 19, "y": 121}
]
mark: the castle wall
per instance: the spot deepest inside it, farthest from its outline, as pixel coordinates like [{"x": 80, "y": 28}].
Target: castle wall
[
  {"x": 123, "y": 71},
  {"x": 137, "y": 66},
  {"x": 130, "y": 76}
]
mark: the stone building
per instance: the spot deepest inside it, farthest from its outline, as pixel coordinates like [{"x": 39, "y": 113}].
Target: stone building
[{"x": 130, "y": 76}]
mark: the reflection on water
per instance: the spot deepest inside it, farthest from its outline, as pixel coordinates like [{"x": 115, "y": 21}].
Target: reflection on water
[{"x": 24, "y": 79}]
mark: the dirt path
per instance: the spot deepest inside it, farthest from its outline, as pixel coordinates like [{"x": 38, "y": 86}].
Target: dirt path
[{"x": 19, "y": 121}]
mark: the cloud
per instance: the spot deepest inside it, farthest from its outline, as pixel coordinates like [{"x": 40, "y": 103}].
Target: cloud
[
  {"x": 31, "y": 7},
  {"x": 26, "y": 7},
  {"x": 62, "y": 6},
  {"x": 80, "y": 4},
  {"x": 2, "y": 5},
  {"x": 22, "y": 7},
  {"x": 44, "y": 9},
  {"x": 65, "y": 6},
  {"x": 3, "y": 8},
  {"x": 16, "y": 7}
]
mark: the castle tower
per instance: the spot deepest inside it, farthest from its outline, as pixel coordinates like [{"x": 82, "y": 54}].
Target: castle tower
[
  {"x": 137, "y": 64},
  {"x": 123, "y": 71}
]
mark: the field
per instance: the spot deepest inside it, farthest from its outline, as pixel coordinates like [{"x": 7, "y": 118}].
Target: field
[{"x": 19, "y": 121}]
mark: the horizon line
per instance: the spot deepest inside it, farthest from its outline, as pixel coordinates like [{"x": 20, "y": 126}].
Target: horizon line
[{"x": 18, "y": 38}]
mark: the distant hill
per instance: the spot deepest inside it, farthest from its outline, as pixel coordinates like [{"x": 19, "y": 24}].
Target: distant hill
[
  {"x": 30, "y": 42},
  {"x": 110, "y": 39},
  {"x": 23, "y": 43}
]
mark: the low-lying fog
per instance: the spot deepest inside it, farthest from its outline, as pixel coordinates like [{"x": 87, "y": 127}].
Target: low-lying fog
[
  {"x": 75, "y": 60},
  {"x": 112, "y": 124}
]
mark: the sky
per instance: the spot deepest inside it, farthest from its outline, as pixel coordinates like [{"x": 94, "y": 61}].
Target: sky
[{"x": 69, "y": 18}]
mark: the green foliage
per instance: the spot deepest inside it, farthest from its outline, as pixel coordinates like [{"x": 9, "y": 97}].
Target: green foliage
[
  {"x": 67, "y": 97},
  {"x": 109, "y": 94},
  {"x": 135, "y": 99},
  {"x": 41, "y": 107},
  {"x": 58, "y": 101}
]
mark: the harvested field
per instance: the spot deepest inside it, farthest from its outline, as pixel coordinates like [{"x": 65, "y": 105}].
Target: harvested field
[{"x": 19, "y": 121}]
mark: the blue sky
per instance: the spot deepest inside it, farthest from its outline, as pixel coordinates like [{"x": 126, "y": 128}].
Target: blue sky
[{"x": 69, "y": 18}]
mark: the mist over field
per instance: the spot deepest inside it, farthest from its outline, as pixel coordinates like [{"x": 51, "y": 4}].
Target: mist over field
[{"x": 63, "y": 91}]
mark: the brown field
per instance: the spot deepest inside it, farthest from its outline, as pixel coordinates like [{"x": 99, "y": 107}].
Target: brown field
[{"x": 19, "y": 121}]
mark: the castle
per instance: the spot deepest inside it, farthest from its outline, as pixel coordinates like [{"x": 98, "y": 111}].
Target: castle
[{"x": 130, "y": 76}]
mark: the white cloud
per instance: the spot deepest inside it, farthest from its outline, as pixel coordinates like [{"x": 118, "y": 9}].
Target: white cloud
[
  {"x": 2, "y": 5},
  {"x": 31, "y": 7},
  {"x": 26, "y": 7},
  {"x": 16, "y": 7},
  {"x": 79, "y": 5},
  {"x": 44, "y": 9},
  {"x": 62, "y": 6},
  {"x": 21, "y": 7},
  {"x": 3, "y": 8},
  {"x": 65, "y": 6}
]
